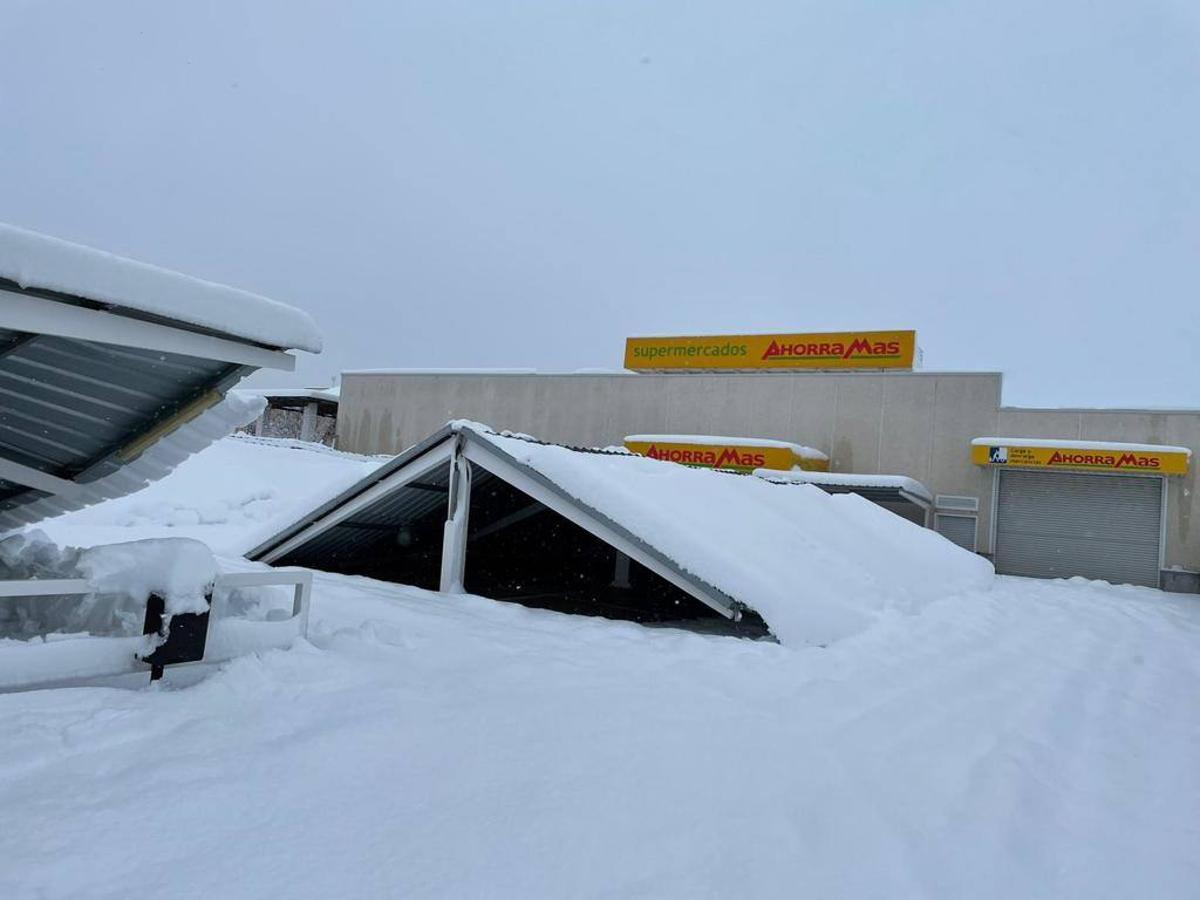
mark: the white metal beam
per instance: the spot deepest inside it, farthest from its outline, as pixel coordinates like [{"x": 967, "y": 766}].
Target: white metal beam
[
  {"x": 505, "y": 470},
  {"x": 40, "y": 481},
  {"x": 37, "y": 315},
  {"x": 454, "y": 535},
  {"x": 44, "y": 587},
  {"x": 418, "y": 468}
]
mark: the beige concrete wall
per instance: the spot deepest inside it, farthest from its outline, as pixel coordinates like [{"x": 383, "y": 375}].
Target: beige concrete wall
[{"x": 918, "y": 424}]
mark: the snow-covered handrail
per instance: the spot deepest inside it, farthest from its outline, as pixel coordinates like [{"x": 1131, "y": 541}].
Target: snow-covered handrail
[{"x": 26, "y": 665}]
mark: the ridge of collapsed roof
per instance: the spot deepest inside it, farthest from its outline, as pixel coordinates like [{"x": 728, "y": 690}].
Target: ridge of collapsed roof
[{"x": 460, "y": 425}]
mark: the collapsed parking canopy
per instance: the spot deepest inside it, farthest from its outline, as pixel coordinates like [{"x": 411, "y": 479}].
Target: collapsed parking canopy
[
  {"x": 816, "y": 567},
  {"x": 112, "y": 372}
]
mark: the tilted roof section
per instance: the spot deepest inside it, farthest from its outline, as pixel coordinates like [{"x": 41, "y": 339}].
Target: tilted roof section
[
  {"x": 34, "y": 260},
  {"x": 817, "y": 567},
  {"x": 156, "y": 461}
]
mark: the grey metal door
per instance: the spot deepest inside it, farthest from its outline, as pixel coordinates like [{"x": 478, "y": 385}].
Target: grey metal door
[
  {"x": 959, "y": 529},
  {"x": 1059, "y": 524}
]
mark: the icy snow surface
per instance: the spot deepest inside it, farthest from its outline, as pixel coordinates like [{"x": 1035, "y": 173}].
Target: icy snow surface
[
  {"x": 817, "y": 567},
  {"x": 232, "y": 496},
  {"x": 1038, "y": 740},
  {"x": 39, "y": 261}
]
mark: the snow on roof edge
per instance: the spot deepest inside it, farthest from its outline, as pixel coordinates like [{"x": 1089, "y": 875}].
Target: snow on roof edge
[
  {"x": 331, "y": 394},
  {"x": 1077, "y": 445},
  {"x": 848, "y": 479},
  {"x": 35, "y": 260},
  {"x": 801, "y": 450}
]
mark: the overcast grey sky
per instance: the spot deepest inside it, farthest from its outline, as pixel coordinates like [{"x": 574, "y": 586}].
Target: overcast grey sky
[{"x": 526, "y": 183}]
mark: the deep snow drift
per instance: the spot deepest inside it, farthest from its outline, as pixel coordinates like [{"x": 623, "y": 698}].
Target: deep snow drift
[{"x": 1035, "y": 740}]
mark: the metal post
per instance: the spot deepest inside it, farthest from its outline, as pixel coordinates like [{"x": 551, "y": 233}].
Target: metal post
[
  {"x": 454, "y": 537},
  {"x": 621, "y": 571}
]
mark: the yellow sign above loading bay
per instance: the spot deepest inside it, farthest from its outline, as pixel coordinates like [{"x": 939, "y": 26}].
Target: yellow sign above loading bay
[
  {"x": 834, "y": 350},
  {"x": 1128, "y": 459}
]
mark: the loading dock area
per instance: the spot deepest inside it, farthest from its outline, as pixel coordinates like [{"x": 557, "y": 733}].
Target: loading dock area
[{"x": 1088, "y": 508}]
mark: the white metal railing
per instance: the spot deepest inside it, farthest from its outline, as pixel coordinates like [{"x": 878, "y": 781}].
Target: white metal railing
[{"x": 58, "y": 660}]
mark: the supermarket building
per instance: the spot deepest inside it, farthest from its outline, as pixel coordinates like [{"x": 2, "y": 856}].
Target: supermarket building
[{"x": 1103, "y": 493}]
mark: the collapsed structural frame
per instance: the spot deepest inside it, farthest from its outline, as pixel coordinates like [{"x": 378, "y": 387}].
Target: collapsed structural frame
[{"x": 464, "y": 450}]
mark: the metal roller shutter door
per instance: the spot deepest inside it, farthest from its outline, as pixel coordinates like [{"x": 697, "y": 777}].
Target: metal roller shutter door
[
  {"x": 1059, "y": 524},
  {"x": 959, "y": 529}
]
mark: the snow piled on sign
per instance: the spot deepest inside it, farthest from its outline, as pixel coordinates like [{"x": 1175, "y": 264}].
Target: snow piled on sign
[
  {"x": 817, "y": 567},
  {"x": 715, "y": 440},
  {"x": 35, "y": 260},
  {"x": 1114, "y": 446}
]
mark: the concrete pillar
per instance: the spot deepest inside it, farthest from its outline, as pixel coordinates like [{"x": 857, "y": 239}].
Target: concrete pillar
[{"x": 308, "y": 422}]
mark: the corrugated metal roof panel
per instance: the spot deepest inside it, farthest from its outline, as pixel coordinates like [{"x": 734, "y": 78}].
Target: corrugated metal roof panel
[{"x": 66, "y": 405}]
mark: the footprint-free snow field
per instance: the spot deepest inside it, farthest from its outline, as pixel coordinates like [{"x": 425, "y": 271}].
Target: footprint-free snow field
[{"x": 1036, "y": 740}]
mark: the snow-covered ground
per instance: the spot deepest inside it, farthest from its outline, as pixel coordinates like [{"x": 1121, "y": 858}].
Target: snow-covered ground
[{"x": 1037, "y": 740}]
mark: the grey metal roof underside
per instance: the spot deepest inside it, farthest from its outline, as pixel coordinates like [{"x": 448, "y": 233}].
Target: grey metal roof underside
[
  {"x": 363, "y": 484},
  {"x": 416, "y": 451},
  {"x": 874, "y": 494},
  {"x": 376, "y": 524},
  {"x": 68, "y": 407}
]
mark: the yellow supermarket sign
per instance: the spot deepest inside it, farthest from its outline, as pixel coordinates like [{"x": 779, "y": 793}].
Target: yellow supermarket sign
[
  {"x": 834, "y": 350},
  {"x": 1168, "y": 461},
  {"x": 732, "y": 457}
]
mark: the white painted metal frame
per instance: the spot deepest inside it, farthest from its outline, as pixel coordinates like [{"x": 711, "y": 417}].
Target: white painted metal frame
[
  {"x": 41, "y": 316},
  {"x": 44, "y": 587},
  {"x": 500, "y": 467},
  {"x": 419, "y": 467},
  {"x": 40, "y": 481},
  {"x": 299, "y": 579},
  {"x": 454, "y": 536}
]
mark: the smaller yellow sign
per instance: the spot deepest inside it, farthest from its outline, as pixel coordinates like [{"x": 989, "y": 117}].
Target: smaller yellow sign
[
  {"x": 732, "y": 457},
  {"x": 1098, "y": 458},
  {"x": 835, "y": 350}
]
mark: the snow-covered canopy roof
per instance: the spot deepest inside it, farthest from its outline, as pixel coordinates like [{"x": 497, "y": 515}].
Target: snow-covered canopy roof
[
  {"x": 815, "y": 566},
  {"x": 328, "y": 395},
  {"x": 113, "y": 371},
  {"x": 33, "y": 260},
  {"x": 904, "y": 486}
]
